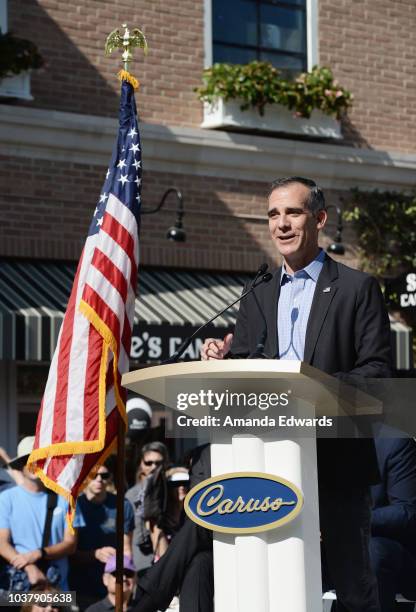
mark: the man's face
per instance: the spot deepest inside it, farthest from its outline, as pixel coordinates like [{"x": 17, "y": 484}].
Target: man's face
[
  {"x": 109, "y": 581},
  {"x": 99, "y": 484},
  {"x": 151, "y": 460},
  {"x": 293, "y": 228}
]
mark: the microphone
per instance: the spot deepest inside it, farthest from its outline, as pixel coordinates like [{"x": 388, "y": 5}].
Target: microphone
[
  {"x": 258, "y": 280},
  {"x": 260, "y": 271}
]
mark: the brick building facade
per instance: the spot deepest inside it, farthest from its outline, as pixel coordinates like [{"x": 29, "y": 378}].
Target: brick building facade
[{"x": 54, "y": 148}]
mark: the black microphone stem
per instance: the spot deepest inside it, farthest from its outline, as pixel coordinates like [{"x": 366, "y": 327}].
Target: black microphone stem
[{"x": 264, "y": 279}]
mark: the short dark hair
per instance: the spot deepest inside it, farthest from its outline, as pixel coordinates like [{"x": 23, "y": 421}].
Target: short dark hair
[
  {"x": 155, "y": 447},
  {"x": 316, "y": 199}
]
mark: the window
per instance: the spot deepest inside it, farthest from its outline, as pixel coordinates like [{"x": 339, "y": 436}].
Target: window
[{"x": 269, "y": 30}]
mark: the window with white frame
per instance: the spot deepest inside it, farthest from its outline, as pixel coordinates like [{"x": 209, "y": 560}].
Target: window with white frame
[{"x": 279, "y": 31}]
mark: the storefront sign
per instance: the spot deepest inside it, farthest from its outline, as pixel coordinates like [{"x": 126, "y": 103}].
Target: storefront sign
[
  {"x": 154, "y": 343},
  {"x": 401, "y": 291}
]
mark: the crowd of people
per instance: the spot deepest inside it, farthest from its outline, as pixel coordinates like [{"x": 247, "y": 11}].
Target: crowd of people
[
  {"x": 43, "y": 556},
  {"x": 39, "y": 553}
]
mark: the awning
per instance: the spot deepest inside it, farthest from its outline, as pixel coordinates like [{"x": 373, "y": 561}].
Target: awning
[
  {"x": 170, "y": 306},
  {"x": 33, "y": 298}
]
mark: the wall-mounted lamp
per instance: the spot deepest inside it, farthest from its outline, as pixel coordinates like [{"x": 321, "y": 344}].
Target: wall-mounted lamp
[
  {"x": 337, "y": 248},
  {"x": 176, "y": 232}
]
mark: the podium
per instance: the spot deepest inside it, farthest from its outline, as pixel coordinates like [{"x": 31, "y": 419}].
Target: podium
[{"x": 278, "y": 569}]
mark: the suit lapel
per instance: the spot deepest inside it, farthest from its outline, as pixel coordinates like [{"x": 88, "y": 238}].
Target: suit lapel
[
  {"x": 324, "y": 294},
  {"x": 270, "y": 310}
]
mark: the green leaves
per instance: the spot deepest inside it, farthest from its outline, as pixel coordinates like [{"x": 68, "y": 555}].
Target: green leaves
[
  {"x": 17, "y": 55},
  {"x": 385, "y": 226},
  {"x": 259, "y": 83}
]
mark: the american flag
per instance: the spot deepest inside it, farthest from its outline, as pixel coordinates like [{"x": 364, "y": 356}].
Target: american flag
[{"x": 83, "y": 400}]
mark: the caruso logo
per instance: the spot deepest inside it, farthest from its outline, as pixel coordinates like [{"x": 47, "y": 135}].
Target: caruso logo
[{"x": 243, "y": 502}]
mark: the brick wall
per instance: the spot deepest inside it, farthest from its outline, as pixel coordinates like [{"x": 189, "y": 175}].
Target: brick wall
[
  {"x": 46, "y": 209},
  {"x": 370, "y": 46},
  {"x": 79, "y": 78}
]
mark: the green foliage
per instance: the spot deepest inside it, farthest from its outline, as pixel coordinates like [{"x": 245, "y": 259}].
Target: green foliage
[
  {"x": 17, "y": 55},
  {"x": 385, "y": 224},
  {"x": 259, "y": 83}
]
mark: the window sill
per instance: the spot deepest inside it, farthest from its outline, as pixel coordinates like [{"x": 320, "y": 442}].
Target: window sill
[
  {"x": 16, "y": 86},
  {"x": 276, "y": 119}
]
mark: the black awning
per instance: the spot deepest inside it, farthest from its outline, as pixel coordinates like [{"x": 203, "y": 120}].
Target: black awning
[{"x": 170, "y": 306}]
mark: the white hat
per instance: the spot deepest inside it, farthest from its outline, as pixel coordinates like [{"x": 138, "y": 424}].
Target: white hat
[
  {"x": 24, "y": 449},
  {"x": 139, "y": 402}
]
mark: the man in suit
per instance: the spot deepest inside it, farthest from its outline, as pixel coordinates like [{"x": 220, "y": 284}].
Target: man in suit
[
  {"x": 393, "y": 521},
  {"x": 334, "y": 318}
]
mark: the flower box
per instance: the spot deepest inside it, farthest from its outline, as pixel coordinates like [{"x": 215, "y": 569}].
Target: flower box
[
  {"x": 276, "y": 118},
  {"x": 16, "y": 86}
]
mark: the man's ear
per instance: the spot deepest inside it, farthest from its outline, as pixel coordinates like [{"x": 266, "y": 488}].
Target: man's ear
[{"x": 321, "y": 218}]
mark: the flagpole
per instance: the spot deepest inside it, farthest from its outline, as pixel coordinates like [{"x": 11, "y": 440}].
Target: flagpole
[
  {"x": 120, "y": 483},
  {"x": 126, "y": 42}
]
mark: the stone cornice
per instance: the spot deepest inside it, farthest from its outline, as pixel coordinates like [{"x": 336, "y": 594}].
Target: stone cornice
[{"x": 68, "y": 137}]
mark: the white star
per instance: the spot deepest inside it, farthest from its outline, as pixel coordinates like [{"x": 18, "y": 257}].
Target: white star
[
  {"x": 138, "y": 181},
  {"x": 108, "y": 174},
  {"x": 132, "y": 132},
  {"x": 138, "y": 197},
  {"x": 136, "y": 164},
  {"x": 123, "y": 179},
  {"x": 121, "y": 163},
  {"x": 103, "y": 197},
  {"x": 96, "y": 211},
  {"x": 100, "y": 221},
  {"x": 134, "y": 148}
]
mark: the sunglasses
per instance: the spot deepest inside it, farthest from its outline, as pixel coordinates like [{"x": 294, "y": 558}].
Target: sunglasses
[
  {"x": 148, "y": 463},
  {"x": 102, "y": 475}
]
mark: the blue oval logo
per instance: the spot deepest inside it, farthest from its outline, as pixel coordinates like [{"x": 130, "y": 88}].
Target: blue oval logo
[{"x": 243, "y": 502}]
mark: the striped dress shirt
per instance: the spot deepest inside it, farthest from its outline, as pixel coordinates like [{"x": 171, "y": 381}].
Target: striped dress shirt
[{"x": 295, "y": 301}]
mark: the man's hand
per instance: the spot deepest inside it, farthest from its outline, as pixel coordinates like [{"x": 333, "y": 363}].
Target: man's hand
[
  {"x": 214, "y": 348},
  {"x": 34, "y": 574},
  {"x": 103, "y": 554},
  {"x": 22, "y": 559}
]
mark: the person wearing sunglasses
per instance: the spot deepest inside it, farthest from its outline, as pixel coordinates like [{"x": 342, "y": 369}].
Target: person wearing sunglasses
[
  {"x": 97, "y": 540},
  {"x": 153, "y": 456},
  {"x": 108, "y": 603}
]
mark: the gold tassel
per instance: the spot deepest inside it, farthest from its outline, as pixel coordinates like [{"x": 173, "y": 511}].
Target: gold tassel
[{"x": 124, "y": 75}]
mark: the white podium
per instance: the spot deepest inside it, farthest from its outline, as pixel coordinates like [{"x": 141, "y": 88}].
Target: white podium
[{"x": 279, "y": 569}]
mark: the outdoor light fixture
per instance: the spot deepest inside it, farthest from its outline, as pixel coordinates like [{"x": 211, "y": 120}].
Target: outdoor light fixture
[
  {"x": 337, "y": 248},
  {"x": 176, "y": 232}
]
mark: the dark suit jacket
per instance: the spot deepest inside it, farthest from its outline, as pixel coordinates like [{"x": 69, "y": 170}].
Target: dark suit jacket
[
  {"x": 394, "y": 498},
  {"x": 348, "y": 335}
]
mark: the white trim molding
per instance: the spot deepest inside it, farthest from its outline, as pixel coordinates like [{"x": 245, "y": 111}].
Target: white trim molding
[
  {"x": 276, "y": 118},
  {"x": 16, "y": 86},
  {"x": 70, "y": 137},
  {"x": 208, "y": 55},
  {"x": 312, "y": 33},
  {"x": 4, "y": 26}
]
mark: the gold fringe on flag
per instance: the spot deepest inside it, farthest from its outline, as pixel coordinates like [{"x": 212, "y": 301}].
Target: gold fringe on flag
[{"x": 124, "y": 75}]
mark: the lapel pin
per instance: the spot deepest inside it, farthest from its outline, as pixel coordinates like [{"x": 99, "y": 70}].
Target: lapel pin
[{"x": 326, "y": 290}]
